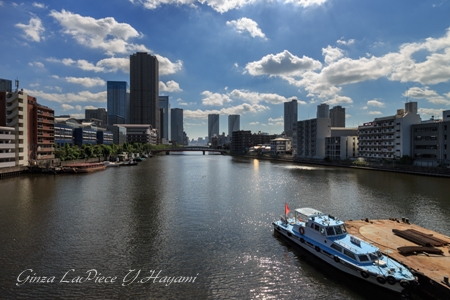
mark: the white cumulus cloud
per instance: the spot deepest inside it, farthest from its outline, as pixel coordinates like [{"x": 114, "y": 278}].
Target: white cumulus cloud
[
  {"x": 82, "y": 96},
  {"x": 220, "y": 6},
  {"x": 375, "y": 103},
  {"x": 106, "y": 34},
  {"x": 170, "y": 86},
  {"x": 247, "y": 25},
  {"x": 86, "y": 81},
  {"x": 283, "y": 63},
  {"x": 65, "y": 107},
  {"x": 33, "y": 29},
  {"x": 39, "y": 5},
  {"x": 214, "y": 99}
]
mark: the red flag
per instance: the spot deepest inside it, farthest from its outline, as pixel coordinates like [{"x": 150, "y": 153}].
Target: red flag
[{"x": 286, "y": 209}]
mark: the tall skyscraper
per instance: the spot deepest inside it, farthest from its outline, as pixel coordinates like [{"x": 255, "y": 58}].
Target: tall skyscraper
[
  {"x": 116, "y": 94},
  {"x": 176, "y": 125},
  {"x": 144, "y": 81},
  {"x": 234, "y": 124},
  {"x": 164, "y": 118},
  {"x": 337, "y": 116},
  {"x": 213, "y": 126},
  {"x": 290, "y": 117},
  {"x": 323, "y": 111}
]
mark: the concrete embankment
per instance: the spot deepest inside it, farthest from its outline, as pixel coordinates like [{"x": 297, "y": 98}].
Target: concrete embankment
[
  {"x": 406, "y": 169},
  {"x": 12, "y": 171}
]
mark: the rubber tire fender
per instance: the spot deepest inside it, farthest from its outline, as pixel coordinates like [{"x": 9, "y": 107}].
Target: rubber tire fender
[
  {"x": 391, "y": 280},
  {"x": 404, "y": 283},
  {"x": 381, "y": 279}
]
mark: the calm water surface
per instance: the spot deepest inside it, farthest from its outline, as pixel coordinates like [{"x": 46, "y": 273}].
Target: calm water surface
[{"x": 201, "y": 219}]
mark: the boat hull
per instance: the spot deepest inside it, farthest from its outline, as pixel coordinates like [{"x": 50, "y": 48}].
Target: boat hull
[
  {"x": 84, "y": 168},
  {"x": 338, "y": 263}
]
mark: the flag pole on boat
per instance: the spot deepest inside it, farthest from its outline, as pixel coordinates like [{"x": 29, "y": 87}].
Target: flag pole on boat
[{"x": 286, "y": 211}]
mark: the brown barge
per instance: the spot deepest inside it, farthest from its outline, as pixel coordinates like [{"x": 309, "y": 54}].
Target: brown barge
[
  {"x": 425, "y": 252},
  {"x": 84, "y": 167}
]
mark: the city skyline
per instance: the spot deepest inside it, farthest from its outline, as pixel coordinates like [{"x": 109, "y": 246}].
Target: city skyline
[{"x": 241, "y": 57}]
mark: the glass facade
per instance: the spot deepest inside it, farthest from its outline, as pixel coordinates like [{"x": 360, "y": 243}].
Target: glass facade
[{"x": 117, "y": 102}]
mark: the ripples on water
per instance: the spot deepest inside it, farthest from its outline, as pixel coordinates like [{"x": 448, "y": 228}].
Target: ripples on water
[{"x": 207, "y": 217}]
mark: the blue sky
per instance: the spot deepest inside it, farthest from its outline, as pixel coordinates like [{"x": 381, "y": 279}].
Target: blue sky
[{"x": 242, "y": 57}]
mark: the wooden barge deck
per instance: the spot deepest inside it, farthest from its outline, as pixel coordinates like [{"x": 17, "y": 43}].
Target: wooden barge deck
[{"x": 430, "y": 263}]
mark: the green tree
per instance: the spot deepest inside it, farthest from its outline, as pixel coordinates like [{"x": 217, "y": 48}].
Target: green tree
[
  {"x": 106, "y": 151},
  {"x": 88, "y": 151}
]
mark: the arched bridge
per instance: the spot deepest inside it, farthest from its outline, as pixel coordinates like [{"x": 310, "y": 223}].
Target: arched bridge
[{"x": 185, "y": 149}]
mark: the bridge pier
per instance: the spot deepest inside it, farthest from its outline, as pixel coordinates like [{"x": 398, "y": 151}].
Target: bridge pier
[{"x": 203, "y": 152}]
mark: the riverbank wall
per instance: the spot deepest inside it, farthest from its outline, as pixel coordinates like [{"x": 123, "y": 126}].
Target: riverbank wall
[
  {"x": 397, "y": 168},
  {"x": 12, "y": 171}
]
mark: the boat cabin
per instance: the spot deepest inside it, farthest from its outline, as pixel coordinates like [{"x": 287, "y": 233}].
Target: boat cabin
[
  {"x": 316, "y": 222},
  {"x": 326, "y": 225}
]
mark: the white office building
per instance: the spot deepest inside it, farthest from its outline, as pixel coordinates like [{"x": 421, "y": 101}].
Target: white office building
[
  {"x": 388, "y": 137},
  {"x": 343, "y": 143},
  {"x": 280, "y": 146},
  {"x": 17, "y": 117},
  {"x": 7, "y": 147}
]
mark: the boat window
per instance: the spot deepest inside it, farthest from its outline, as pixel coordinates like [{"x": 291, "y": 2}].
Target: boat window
[
  {"x": 373, "y": 256},
  {"x": 322, "y": 230},
  {"x": 338, "y": 229},
  {"x": 330, "y": 231},
  {"x": 316, "y": 227},
  {"x": 336, "y": 247},
  {"x": 363, "y": 257},
  {"x": 344, "y": 230},
  {"x": 349, "y": 254}
]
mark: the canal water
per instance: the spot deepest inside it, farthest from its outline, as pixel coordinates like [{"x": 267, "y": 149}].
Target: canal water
[{"x": 193, "y": 227}]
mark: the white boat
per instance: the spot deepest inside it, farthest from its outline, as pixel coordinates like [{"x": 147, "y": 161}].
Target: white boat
[
  {"x": 109, "y": 164},
  {"x": 326, "y": 237}
]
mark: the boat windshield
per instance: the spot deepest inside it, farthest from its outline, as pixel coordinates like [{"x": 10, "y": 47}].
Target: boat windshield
[
  {"x": 363, "y": 258},
  {"x": 330, "y": 231},
  {"x": 375, "y": 255},
  {"x": 340, "y": 229}
]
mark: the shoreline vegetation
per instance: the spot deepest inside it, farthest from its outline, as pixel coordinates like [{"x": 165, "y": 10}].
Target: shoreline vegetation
[{"x": 106, "y": 152}]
